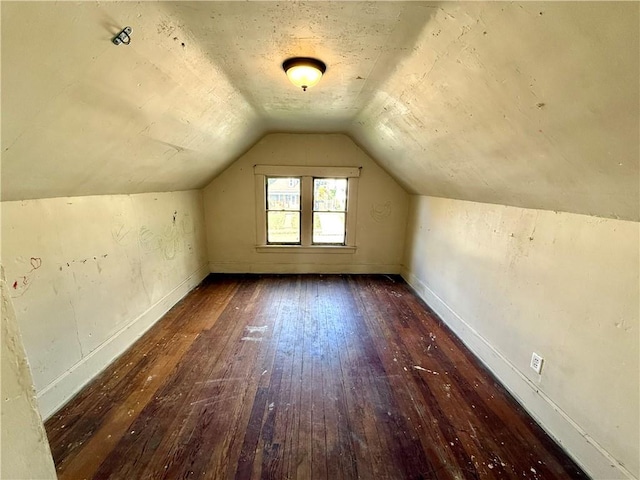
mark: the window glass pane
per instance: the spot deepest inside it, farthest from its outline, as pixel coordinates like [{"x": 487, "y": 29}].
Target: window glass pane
[
  {"x": 330, "y": 194},
  {"x": 328, "y": 227},
  {"x": 283, "y": 193},
  {"x": 283, "y": 227}
]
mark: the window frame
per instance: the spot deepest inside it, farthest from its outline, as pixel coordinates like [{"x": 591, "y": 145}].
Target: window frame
[{"x": 306, "y": 174}]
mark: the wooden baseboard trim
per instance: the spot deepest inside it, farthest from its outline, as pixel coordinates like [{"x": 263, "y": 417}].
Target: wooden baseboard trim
[{"x": 327, "y": 268}]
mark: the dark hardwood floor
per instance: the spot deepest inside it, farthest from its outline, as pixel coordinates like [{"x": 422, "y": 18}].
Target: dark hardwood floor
[{"x": 300, "y": 377}]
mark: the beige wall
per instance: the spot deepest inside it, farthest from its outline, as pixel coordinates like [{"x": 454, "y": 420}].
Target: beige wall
[
  {"x": 24, "y": 448},
  {"x": 231, "y": 214},
  {"x": 510, "y": 281},
  {"x": 88, "y": 275}
]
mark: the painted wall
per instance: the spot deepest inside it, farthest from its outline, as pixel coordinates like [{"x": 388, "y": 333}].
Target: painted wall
[
  {"x": 88, "y": 275},
  {"x": 24, "y": 448},
  {"x": 510, "y": 281},
  {"x": 231, "y": 215}
]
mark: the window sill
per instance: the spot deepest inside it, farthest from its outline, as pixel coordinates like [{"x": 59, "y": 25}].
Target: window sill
[{"x": 304, "y": 249}]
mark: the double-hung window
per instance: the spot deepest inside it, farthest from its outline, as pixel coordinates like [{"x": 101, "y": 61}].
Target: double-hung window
[{"x": 306, "y": 208}]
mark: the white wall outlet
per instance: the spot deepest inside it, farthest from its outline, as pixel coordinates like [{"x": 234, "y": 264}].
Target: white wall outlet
[{"x": 536, "y": 362}]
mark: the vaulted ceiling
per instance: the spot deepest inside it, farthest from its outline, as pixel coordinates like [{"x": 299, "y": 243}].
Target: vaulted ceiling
[{"x": 526, "y": 104}]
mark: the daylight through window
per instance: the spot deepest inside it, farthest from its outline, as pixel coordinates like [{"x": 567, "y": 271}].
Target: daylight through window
[
  {"x": 283, "y": 210},
  {"x": 329, "y": 210}
]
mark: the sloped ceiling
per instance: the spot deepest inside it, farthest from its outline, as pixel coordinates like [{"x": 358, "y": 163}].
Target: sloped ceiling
[{"x": 527, "y": 104}]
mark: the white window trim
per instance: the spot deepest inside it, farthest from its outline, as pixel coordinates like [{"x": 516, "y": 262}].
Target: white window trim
[{"x": 306, "y": 174}]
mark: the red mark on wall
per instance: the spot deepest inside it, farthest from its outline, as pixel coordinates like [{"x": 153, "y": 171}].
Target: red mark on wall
[{"x": 15, "y": 285}]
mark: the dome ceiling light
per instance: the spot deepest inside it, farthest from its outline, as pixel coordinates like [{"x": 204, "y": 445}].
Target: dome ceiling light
[{"x": 304, "y": 72}]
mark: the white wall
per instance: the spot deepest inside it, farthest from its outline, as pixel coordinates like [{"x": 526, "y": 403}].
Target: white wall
[
  {"x": 24, "y": 448},
  {"x": 510, "y": 281},
  {"x": 231, "y": 215},
  {"x": 88, "y": 275}
]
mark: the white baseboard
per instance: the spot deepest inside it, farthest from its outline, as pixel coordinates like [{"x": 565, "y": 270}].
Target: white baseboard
[
  {"x": 590, "y": 455},
  {"x": 62, "y": 389},
  {"x": 328, "y": 268}
]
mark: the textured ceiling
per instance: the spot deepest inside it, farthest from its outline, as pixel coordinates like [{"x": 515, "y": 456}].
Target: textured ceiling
[{"x": 527, "y": 104}]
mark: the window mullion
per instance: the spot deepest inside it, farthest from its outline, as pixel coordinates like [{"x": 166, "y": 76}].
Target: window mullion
[
  {"x": 352, "y": 207},
  {"x": 307, "y": 210},
  {"x": 261, "y": 209}
]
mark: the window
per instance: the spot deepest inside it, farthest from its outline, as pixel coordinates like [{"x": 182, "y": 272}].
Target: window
[
  {"x": 306, "y": 208},
  {"x": 329, "y": 211},
  {"x": 283, "y": 210}
]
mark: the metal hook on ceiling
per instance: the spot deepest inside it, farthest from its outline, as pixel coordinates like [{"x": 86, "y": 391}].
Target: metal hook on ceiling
[{"x": 123, "y": 37}]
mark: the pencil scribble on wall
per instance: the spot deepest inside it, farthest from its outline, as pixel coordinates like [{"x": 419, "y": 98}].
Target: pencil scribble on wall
[
  {"x": 121, "y": 234},
  {"x": 188, "y": 227},
  {"x": 170, "y": 240},
  {"x": 23, "y": 282},
  {"x": 380, "y": 211}
]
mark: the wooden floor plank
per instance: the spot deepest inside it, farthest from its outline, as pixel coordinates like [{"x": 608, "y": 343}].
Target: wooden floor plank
[
  {"x": 372, "y": 460},
  {"x": 300, "y": 377}
]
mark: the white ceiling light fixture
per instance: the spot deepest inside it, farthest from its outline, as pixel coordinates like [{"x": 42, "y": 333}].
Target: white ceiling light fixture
[{"x": 304, "y": 72}]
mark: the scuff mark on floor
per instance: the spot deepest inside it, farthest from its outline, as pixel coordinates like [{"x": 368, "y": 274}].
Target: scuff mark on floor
[
  {"x": 252, "y": 329},
  {"x": 212, "y": 400},
  {"x": 418, "y": 367}
]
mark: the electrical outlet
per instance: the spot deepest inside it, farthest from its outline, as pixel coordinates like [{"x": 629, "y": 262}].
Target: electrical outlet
[{"x": 536, "y": 362}]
